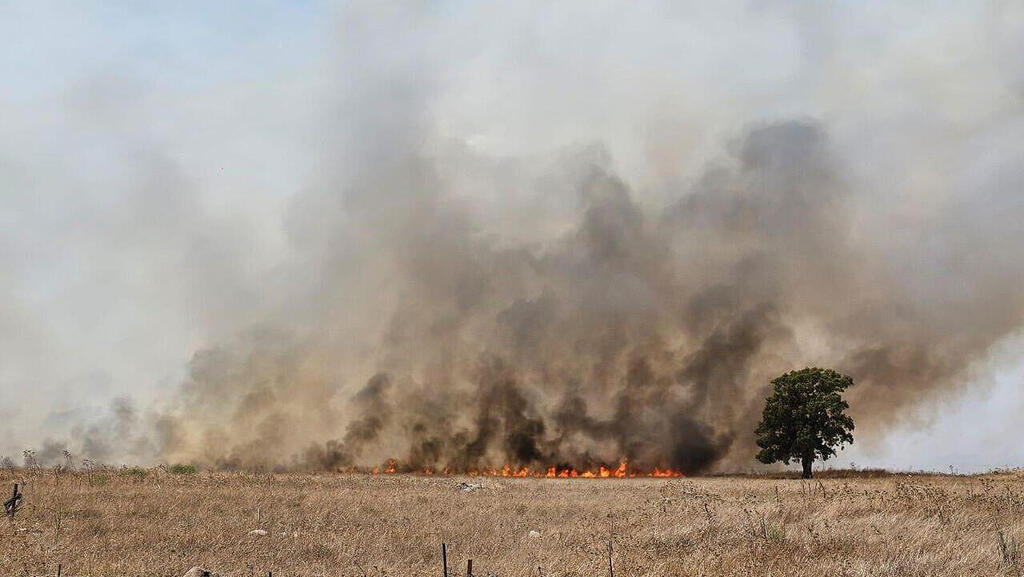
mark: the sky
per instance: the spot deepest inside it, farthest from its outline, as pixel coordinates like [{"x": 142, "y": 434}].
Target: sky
[{"x": 157, "y": 164}]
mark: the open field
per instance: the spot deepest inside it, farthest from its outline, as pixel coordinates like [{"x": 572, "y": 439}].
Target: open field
[{"x": 135, "y": 522}]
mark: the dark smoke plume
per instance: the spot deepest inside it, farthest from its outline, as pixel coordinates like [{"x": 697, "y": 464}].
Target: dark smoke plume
[{"x": 638, "y": 334}]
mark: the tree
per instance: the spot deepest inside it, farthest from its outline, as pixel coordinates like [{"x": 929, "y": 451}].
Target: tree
[{"x": 804, "y": 418}]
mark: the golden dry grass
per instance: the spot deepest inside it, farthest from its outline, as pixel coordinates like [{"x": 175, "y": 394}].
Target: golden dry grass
[{"x": 127, "y": 523}]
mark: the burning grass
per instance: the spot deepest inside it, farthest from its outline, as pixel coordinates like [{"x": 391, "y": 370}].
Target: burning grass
[
  {"x": 620, "y": 471},
  {"x": 123, "y": 522}
]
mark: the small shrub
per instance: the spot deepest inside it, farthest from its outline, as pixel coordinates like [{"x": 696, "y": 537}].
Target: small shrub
[
  {"x": 761, "y": 527},
  {"x": 1009, "y": 549},
  {"x": 773, "y": 532},
  {"x": 182, "y": 469},
  {"x": 137, "y": 472}
]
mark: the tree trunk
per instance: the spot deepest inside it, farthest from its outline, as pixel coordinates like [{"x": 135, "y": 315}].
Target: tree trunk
[{"x": 807, "y": 461}]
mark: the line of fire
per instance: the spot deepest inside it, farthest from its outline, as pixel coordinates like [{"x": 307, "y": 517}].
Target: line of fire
[{"x": 622, "y": 471}]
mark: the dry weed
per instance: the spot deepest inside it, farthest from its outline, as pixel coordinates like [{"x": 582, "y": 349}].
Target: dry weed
[{"x": 158, "y": 522}]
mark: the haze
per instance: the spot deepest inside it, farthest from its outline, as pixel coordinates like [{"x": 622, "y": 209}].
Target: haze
[{"x": 219, "y": 223}]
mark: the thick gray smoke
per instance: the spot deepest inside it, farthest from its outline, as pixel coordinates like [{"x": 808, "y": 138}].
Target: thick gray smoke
[
  {"x": 448, "y": 288},
  {"x": 638, "y": 334}
]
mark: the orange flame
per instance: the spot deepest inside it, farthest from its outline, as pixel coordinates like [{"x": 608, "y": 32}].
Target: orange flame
[
  {"x": 622, "y": 471},
  {"x": 659, "y": 473}
]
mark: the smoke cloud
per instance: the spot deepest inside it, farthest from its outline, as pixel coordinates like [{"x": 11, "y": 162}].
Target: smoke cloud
[
  {"x": 459, "y": 285},
  {"x": 645, "y": 335}
]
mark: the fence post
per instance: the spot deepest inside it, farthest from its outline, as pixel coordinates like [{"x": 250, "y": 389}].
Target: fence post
[{"x": 11, "y": 505}]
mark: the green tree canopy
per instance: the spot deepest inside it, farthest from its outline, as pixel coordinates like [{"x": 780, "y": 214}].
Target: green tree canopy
[{"x": 804, "y": 418}]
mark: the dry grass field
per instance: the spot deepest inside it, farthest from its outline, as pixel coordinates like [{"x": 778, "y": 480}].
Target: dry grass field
[{"x": 135, "y": 522}]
